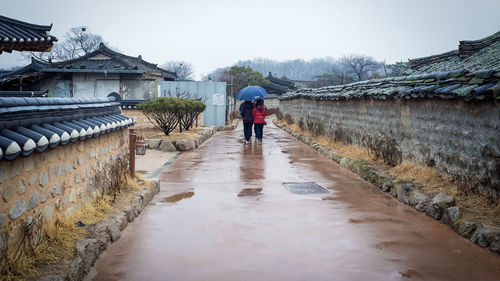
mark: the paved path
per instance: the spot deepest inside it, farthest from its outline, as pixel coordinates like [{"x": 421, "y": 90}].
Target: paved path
[{"x": 223, "y": 214}]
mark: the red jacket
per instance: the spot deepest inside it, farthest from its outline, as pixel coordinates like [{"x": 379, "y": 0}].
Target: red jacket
[{"x": 259, "y": 116}]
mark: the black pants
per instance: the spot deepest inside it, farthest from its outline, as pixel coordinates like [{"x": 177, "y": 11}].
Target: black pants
[
  {"x": 247, "y": 130},
  {"x": 259, "y": 128}
]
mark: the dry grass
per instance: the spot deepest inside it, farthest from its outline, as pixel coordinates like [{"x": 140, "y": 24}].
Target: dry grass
[
  {"x": 61, "y": 233},
  {"x": 426, "y": 177},
  {"x": 474, "y": 206},
  {"x": 341, "y": 149}
]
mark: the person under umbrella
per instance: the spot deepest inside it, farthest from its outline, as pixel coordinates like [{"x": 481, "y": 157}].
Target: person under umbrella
[
  {"x": 246, "y": 115},
  {"x": 259, "y": 113}
]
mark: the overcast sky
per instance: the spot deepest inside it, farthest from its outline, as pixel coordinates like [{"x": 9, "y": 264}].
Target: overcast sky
[{"x": 217, "y": 33}]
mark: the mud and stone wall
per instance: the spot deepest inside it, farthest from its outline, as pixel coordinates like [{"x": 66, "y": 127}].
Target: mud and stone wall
[
  {"x": 461, "y": 139},
  {"x": 58, "y": 180},
  {"x": 141, "y": 121}
]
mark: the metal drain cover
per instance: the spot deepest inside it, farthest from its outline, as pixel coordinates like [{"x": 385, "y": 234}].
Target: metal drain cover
[{"x": 305, "y": 187}]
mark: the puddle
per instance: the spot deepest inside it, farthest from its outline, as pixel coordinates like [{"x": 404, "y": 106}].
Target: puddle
[
  {"x": 250, "y": 192},
  {"x": 177, "y": 197}
]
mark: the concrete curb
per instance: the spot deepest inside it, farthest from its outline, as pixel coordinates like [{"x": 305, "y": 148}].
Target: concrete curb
[{"x": 439, "y": 207}]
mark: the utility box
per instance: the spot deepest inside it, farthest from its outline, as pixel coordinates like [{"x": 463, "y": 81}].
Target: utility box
[{"x": 212, "y": 94}]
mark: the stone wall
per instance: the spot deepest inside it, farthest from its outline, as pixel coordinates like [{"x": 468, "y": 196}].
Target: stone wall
[
  {"x": 141, "y": 121},
  {"x": 458, "y": 138},
  {"x": 59, "y": 180}
]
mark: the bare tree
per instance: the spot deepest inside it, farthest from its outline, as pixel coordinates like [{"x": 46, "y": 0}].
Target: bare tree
[
  {"x": 78, "y": 41},
  {"x": 184, "y": 70},
  {"x": 360, "y": 66},
  {"x": 185, "y": 94}
]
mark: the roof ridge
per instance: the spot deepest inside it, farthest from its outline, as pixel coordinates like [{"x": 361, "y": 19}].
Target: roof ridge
[
  {"x": 26, "y": 24},
  {"x": 465, "y": 49}
]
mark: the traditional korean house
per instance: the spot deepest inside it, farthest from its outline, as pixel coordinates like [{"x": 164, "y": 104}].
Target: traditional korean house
[{"x": 93, "y": 75}]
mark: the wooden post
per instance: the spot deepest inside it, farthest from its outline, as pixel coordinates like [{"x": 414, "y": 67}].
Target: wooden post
[{"x": 131, "y": 145}]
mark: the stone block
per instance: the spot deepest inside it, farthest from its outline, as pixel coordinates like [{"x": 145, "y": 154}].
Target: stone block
[
  {"x": 121, "y": 221},
  {"x": 47, "y": 212},
  {"x": 467, "y": 228},
  {"x": 59, "y": 170},
  {"x": 44, "y": 178},
  {"x": 154, "y": 143},
  {"x": 386, "y": 187},
  {"x": 75, "y": 271},
  {"x": 56, "y": 190},
  {"x": 404, "y": 191},
  {"x": 185, "y": 144},
  {"x": 44, "y": 195},
  {"x": 87, "y": 250},
  {"x": 69, "y": 168},
  {"x": 8, "y": 192},
  {"x": 58, "y": 204},
  {"x": 485, "y": 235},
  {"x": 3, "y": 220},
  {"x": 52, "y": 173},
  {"x": 419, "y": 200},
  {"x": 17, "y": 210},
  {"x": 33, "y": 201},
  {"x": 451, "y": 216},
  {"x": 33, "y": 179},
  {"x": 167, "y": 146},
  {"x": 21, "y": 187},
  {"x": 438, "y": 204},
  {"x": 72, "y": 195},
  {"x": 77, "y": 178},
  {"x": 99, "y": 232}
]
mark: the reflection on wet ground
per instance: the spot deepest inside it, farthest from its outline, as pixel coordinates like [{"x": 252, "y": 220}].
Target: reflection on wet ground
[
  {"x": 177, "y": 197},
  {"x": 250, "y": 192},
  {"x": 243, "y": 224}
]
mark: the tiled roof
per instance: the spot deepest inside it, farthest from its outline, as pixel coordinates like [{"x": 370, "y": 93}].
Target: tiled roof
[
  {"x": 107, "y": 60},
  {"x": 36, "y": 124},
  {"x": 471, "y": 55},
  {"x": 34, "y": 67},
  {"x": 459, "y": 84},
  {"x": 279, "y": 85},
  {"x": 22, "y": 36},
  {"x": 472, "y": 72},
  {"x": 24, "y": 94}
]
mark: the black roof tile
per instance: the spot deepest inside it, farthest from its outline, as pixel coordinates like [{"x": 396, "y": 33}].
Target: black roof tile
[
  {"x": 17, "y": 35},
  {"x": 35, "y": 124}
]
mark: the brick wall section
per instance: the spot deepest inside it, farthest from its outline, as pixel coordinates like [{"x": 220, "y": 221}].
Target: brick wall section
[
  {"x": 59, "y": 180},
  {"x": 459, "y": 138}
]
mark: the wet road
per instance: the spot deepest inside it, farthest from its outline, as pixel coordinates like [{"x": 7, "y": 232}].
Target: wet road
[{"x": 223, "y": 214}]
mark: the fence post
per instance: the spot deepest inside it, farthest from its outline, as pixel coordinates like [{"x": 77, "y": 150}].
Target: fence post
[{"x": 131, "y": 145}]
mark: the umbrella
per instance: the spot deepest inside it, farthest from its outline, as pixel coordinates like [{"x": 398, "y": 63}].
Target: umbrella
[{"x": 251, "y": 93}]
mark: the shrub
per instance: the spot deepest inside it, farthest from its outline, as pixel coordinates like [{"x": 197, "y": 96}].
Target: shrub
[{"x": 166, "y": 113}]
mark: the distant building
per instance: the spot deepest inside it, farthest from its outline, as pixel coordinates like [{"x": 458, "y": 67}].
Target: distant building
[
  {"x": 95, "y": 74},
  {"x": 279, "y": 86},
  {"x": 17, "y": 35}
]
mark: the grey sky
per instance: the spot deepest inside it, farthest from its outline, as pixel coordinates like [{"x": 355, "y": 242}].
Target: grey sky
[{"x": 217, "y": 33}]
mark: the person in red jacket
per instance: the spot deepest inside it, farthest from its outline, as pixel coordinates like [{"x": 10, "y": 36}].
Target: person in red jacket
[{"x": 259, "y": 113}]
